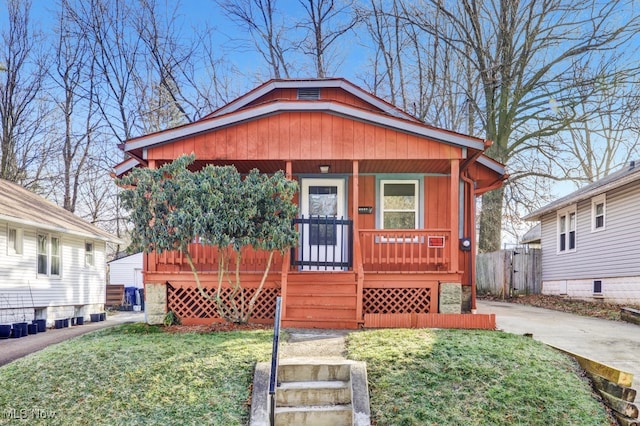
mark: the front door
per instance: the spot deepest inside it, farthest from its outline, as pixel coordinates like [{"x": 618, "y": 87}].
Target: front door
[{"x": 322, "y": 239}]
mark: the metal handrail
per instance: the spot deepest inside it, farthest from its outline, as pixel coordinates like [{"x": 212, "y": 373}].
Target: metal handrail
[{"x": 273, "y": 376}]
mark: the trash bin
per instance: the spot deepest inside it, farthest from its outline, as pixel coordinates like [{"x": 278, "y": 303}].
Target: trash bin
[
  {"x": 141, "y": 296},
  {"x": 130, "y": 296}
]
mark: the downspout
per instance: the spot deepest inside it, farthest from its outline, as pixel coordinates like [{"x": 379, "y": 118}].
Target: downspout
[{"x": 470, "y": 219}]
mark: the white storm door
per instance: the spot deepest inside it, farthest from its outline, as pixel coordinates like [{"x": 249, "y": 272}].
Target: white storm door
[{"x": 322, "y": 244}]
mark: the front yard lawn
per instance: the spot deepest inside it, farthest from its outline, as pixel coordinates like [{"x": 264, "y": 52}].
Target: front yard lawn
[
  {"x": 136, "y": 374},
  {"x": 463, "y": 377}
]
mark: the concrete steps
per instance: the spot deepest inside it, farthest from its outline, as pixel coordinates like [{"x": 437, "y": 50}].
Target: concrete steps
[{"x": 314, "y": 392}]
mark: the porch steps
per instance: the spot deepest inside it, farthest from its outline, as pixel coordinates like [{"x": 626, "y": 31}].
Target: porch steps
[
  {"x": 318, "y": 392},
  {"x": 318, "y": 299}
]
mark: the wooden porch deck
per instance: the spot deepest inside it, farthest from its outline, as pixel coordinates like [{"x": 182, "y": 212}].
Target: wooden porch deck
[{"x": 394, "y": 282}]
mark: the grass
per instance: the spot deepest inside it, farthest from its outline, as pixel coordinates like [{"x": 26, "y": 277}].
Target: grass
[
  {"x": 136, "y": 374},
  {"x": 139, "y": 374},
  {"x": 456, "y": 377}
]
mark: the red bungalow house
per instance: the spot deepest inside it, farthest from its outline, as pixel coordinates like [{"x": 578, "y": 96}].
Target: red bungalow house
[{"x": 386, "y": 209}]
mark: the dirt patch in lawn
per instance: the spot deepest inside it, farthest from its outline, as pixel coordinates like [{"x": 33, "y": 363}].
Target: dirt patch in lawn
[{"x": 595, "y": 309}]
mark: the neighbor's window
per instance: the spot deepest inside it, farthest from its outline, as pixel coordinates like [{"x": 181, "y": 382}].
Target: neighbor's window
[
  {"x": 399, "y": 204},
  {"x": 88, "y": 254},
  {"x": 49, "y": 254},
  {"x": 55, "y": 256},
  {"x": 598, "y": 210},
  {"x": 43, "y": 254},
  {"x": 15, "y": 241},
  {"x": 597, "y": 287},
  {"x": 567, "y": 230}
]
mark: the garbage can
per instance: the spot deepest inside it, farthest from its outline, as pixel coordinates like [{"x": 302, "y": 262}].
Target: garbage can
[
  {"x": 141, "y": 297},
  {"x": 129, "y": 296}
]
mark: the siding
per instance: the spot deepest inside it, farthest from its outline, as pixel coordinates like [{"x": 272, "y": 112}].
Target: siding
[
  {"x": 20, "y": 285},
  {"x": 305, "y": 136},
  {"x": 612, "y": 252},
  {"x": 122, "y": 271}
]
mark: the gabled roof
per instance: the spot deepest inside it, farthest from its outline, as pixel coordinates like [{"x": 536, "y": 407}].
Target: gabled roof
[
  {"x": 20, "y": 206},
  {"x": 629, "y": 173},
  {"x": 337, "y": 83},
  {"x": 244, "y": 109}
]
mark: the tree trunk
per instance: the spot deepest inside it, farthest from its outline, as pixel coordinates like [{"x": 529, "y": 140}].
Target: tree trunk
[{"x": 491, "y": 221}]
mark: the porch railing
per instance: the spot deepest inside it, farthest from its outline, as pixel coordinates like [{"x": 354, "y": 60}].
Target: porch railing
[
  {"x": 324, "y": 243},
  {"x": 406, "y": 249},
  {"x": 327, "y": 243},
  {"x": 206, "y": 259}
]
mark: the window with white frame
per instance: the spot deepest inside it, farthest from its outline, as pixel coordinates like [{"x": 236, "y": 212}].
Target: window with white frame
[
  {"x": 598, "y": 212},
  {"x": 14, "y": 241},
  {"x": 49, "y": 254},
  {"x": 399, "y": 204},
  {"x": 567, "y": 230},
  {"x": 88, "y": 254}
]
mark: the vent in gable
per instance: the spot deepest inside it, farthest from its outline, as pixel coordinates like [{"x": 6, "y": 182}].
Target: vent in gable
[{"x": 309, "y": 94}]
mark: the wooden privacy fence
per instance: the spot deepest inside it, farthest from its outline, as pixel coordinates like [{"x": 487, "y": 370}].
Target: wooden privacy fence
[{"x": 508, "y": 272}]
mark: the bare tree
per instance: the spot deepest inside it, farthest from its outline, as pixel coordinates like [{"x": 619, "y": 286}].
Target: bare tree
[
  {"x": 260, "y": 18},
  {"x": 325, "y": 22},
  {"x": 522, "y": 54},
  {"x": 73, "y": 76},
  {"x": 605, "y": 136},
  {"x": 23, "y": 155},
  {"x": 416, "y": 70},
  {"x": 115, "y": 49}
]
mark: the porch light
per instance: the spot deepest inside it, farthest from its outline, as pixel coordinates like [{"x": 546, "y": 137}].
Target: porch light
[{"x": 324, "y": 169}]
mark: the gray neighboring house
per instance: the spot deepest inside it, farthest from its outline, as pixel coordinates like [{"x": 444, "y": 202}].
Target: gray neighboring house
[
  {"x": 52, "y": 263},
  {"x": 591, "y": 240}
]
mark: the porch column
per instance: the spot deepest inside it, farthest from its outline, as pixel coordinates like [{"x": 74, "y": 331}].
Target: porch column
[
  {"x": 454, "y": 202},
  {"x": 357, "y": 255},
  {"x": 286, "y": 259}
]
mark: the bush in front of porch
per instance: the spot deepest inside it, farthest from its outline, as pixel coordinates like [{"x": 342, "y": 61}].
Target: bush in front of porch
[{"x": 172, "y": 207}]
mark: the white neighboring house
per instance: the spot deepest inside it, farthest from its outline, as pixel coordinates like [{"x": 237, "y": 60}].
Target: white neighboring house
[
  {"x": 127, "y": 271},
  {"x": 52, "y": 263},
  {"x": 591, "y": 240}
]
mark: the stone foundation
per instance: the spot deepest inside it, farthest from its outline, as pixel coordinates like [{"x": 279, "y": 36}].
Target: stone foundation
[
  {"x": 450, "y": 299},
  {"x": 155, "y": 307}
]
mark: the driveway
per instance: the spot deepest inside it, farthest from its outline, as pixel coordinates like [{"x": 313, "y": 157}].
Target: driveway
[
  {"x": 12, "y": 349},
  {"x": 610, "y": 342}
]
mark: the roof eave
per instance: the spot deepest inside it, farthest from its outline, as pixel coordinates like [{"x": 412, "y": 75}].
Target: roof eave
[
  {"x": 61, "y": 229},
  {"x": 320, "y": 83},
  {"x": 551, "y": 207}
]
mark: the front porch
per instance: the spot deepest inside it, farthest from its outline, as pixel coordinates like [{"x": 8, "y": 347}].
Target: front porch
[{"x": 386, "y": 278}]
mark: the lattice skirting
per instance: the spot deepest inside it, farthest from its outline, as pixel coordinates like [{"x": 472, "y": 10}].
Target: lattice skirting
[
  {"x": 188, "y": 303},
  {"x": 398, "y": 301}
]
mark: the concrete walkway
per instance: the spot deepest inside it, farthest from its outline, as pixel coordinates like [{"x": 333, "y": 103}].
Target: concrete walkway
[
  {"x": 12, "y": 349},
  {"x": 610, "y": 342}
]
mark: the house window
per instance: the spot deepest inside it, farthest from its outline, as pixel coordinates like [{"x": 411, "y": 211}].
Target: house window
[
  {"x": 597, "y": 287},
  {"x": 567, "y": 230},
  {"x": 88, "y": 254},
  {"x": 15, "y": 241},
  {"x": 49, "y": 255},
  {"x": 55, "y": 255},
  {"x": 598, "y": 210},
  {"x": 399, "y": 204}
]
